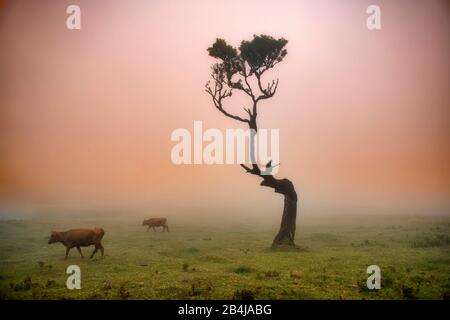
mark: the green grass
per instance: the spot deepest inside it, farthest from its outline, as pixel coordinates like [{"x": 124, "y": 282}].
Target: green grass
[{"x": 207, "y": 259}]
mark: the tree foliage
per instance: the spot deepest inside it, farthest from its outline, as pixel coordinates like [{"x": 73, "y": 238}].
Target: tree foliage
[
  {"x": 260, "y": 53},
  {"x": 263, "y": 52},
  {"x": 237, "y": 66}
]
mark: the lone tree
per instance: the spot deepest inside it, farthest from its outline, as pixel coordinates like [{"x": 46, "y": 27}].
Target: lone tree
[{"x": 237, "y": 70}]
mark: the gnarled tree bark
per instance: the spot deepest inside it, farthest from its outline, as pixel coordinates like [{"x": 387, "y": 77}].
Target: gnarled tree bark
[{"x": 286, "y": 233}]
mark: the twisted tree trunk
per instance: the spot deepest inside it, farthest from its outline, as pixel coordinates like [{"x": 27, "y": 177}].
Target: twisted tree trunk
[{"x": 286, "y": 233}]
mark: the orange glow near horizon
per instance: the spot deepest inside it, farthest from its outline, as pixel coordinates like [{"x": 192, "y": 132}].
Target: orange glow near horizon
[{"x": 364, "y": 116}]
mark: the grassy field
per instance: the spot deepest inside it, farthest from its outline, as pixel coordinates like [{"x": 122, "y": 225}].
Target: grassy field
[{"x": 206, "y": 259}]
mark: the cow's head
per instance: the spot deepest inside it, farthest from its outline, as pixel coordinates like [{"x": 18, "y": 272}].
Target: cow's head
[
  {"x": 144, "y": 222},
  {"x": 54, "y": 237}
]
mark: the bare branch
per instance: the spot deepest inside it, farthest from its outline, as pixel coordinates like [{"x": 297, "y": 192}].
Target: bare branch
[
  {"x": 218, "y": 95},
  {"x": 245, "y": 87},
  {"x": 248, "y": 111},
  {"x": 269, "y": 91},
  {"x": 254, "y": 170}
]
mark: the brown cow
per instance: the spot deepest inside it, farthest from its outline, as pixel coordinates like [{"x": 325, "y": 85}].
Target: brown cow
[
  {"x": 156, "y": 222},
  {"x": 79, "y": 238}
]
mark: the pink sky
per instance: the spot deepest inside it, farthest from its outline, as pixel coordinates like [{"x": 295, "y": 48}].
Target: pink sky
[{"x": 87, "y": 114}]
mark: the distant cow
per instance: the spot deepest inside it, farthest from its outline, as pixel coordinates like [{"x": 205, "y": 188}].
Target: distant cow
[
  {"x": 79, "y": 238},
  {"x": 156, "y": 222}
]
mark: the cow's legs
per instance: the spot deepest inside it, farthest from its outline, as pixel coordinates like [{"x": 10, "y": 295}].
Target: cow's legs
[
  {"x": 81, "y": 253},
  {"x": 94, "y": 252},
  {"x": 167, "y": 228},
  {"x": 102, "y": 250},
  {"x": 148, "y": 228},
  {"x": 154, "y": 230},
  {"x": 67, "y": 252}
]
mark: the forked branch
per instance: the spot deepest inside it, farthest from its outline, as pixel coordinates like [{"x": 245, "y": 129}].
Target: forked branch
[{"x": 217, "y": 95}]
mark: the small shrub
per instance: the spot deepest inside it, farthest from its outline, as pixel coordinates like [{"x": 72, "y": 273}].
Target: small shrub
[
  {"x": 39, "y": 295},
  {"x": 296, "y": 274},
  {"x": 192, "y": 250},
  {"x": 409, "y": 292},
  {"x": 3, "y": 295},
  {"x": 27, "y": 284},
  {"x": 123, "y": 292},
  {"x": 19, "y": 287},
  {"x": 50, "y": 283},
  {"x": 93, "y": 296},
  {"x": 332, "y": 259},
  {"x": 272, "y": 274},
  {"x": 196, "y": 290},
  {"x": 426, "y": 241},
  {"x": 199, "y": 287},
  {"x": 243, "y": 269},
  {"x": 106, "y": 286},
  {"x": 244, "y": 295}
]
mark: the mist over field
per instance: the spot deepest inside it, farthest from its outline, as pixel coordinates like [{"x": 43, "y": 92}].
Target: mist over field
[{"x": 86, "y": 118}]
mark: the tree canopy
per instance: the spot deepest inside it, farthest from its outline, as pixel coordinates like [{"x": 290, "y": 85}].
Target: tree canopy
[
  {"x": 260, "y": 53},
  {"x": 237, "y": 66}
]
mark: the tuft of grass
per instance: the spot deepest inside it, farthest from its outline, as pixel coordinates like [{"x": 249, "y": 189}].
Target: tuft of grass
[
  {"x": 106, "y": 286},
  {"x": 3, "y": 295},
  {"x": 272, "y": 274},
  {"x": 429, "y": 241},
  {"x": 296, "y": 274},
  {"x": 244, "y": 295},
  {"x": 409, "y": 293},
  {"x": 243, "y": 269},
  {"x": 200, "y": 287},
  {"x": 192, "y": 250},
  {"x": 123, "y": 292},
  {"x": 50, "y": 283}
]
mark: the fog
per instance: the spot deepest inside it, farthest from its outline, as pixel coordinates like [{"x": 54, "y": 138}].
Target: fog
[{"x": 86, "y": 115}]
